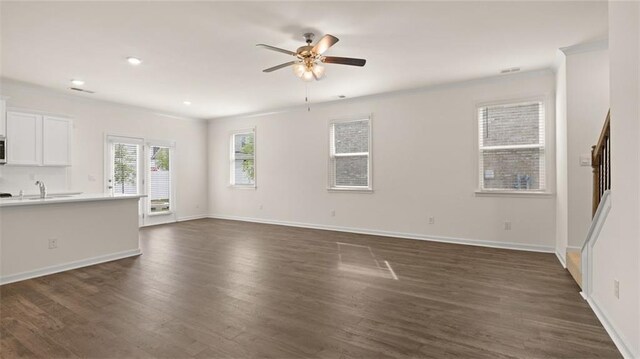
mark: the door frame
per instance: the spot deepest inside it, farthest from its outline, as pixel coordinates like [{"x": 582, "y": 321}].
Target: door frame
[{"x": 164, "y": 217}]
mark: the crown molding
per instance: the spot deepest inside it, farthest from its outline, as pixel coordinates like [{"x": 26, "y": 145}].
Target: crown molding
[{"x": 598, "y": 45}]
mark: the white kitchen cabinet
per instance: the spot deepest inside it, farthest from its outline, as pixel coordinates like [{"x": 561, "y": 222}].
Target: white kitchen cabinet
[
  {"x": 56, "y": 141},
  {"x": 24, "y": 139},
  {"x": 38, "y": 140},
  {"x": 3, "y": 117}
]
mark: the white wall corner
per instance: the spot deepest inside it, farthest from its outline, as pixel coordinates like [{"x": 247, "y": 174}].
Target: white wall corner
[{"x": 561, "y": 258}]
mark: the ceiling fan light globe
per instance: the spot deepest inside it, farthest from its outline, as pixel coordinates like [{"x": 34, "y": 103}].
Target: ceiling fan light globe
[
  {"x": 299, "y": 69},
  {"x": 318, "y": 71},
  {"x": 307, "y": 76}
]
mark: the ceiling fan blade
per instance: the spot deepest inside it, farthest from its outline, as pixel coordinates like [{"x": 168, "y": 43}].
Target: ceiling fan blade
[
  {"x": 281, "y": 66},
  {"x": 324, "y": 44},
  {"x": 344, "y": 61},
  {"x": 273, "y": 48}
]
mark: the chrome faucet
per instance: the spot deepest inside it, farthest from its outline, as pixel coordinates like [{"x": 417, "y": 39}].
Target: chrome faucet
[{"x": 43, "y": 189}]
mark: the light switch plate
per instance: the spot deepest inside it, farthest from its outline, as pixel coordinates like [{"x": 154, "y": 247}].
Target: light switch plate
[{"x": 585, "y": 160}]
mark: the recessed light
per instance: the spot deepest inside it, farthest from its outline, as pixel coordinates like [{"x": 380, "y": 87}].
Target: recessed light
[
  {"x": 134, "y": 61},
  {"x": 188, "y": 103},
  {"x": 77, "y": 82}
]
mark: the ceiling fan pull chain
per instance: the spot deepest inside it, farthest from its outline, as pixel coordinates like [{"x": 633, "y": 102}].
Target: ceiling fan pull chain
[{"x": 306, "y": 97}]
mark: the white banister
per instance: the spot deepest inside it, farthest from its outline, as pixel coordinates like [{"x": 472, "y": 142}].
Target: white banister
[{"x": 592, "y": 236}]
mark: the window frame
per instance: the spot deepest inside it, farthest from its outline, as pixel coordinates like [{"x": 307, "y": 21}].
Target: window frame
[
  {"x": 232, "y": 158},
  {"x": 331, "y": 187},
  {"x": 548, "y": 148}
]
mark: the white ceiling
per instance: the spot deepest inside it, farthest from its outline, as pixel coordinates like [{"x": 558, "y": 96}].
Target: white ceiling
[{"x": 205, "y": 52}]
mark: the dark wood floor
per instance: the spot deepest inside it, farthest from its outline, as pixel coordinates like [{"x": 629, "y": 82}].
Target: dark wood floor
[{"x": 223, "y": 289}]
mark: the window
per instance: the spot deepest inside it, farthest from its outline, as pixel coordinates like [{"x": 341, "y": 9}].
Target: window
[
  {"x": 512, "y": 147},
  {"x": 350, "y": 155},
  {"x": 243, "y": 159},
  {"x": 159, "y": 179},
  {"x": 124, "y": 176}
]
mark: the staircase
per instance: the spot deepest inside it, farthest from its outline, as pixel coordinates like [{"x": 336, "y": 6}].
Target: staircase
[
  {"x": 574, "y": 266},
  {"x": 578, "y": 262}
]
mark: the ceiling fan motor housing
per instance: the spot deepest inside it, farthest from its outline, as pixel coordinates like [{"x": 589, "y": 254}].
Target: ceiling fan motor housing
[
  {"x": 308, "y": 37},
  {"x": 305, "y": 51}
]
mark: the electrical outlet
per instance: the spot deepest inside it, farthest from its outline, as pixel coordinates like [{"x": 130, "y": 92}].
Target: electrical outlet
[
  {"x": 333, "y": 213},
  {"x": 261, "y": 206},
  {"x": 53, "y": 243},
  {"x": 91, "y": 178},
  {"x": 507, "y": 226},
  {"x": 432, "y": 220},
  {"x": 616, "y": 288},
  {"x": 32, "y": 177}
]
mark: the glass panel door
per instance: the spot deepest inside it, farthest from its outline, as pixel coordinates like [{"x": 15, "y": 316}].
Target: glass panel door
[
  {"x": 160, "y": 203},
  {"x": 123, "y": 170}
]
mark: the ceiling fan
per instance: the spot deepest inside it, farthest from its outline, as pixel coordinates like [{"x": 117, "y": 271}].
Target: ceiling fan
[{"x": 309, "y": 59}]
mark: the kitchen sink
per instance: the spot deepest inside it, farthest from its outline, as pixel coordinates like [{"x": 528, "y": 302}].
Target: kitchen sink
[{"x": 50, "y": 197}]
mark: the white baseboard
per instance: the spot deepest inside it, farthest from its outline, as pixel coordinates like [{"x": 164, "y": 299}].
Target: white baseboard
[
  {"x": 68, "y": 266},
  {"x": 574, "y": 249},
  {"x": 191, "y": 218},
  {"x": 176, "y": 220},
  {"x": 466, "y": 241},
  {"x": 562, "y": 259},
  {"x": 620, "y": 343}
]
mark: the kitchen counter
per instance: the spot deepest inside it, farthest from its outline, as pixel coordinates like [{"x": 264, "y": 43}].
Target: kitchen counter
[
  {"x": 65, "y": 231},
  {"x": 63, "y": 198}
]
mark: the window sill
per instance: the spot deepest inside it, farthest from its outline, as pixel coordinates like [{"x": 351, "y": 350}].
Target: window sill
[
  {"x": 354, "y": 190},
  {"x": 242, "y": 187},
  {"x": 156, "y": 214},
  {"x": 524, "y": 194}
]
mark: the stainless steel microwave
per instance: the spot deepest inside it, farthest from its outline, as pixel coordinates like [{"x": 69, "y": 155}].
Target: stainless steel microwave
[{"x": 3, "y": 150}]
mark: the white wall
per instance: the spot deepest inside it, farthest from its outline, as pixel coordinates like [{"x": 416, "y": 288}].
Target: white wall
[
  {"x": 587, "y": 87},
  {"x": 617, "y": 252},
  {"x": 424, "y": 164},
  {"x": 93, "y": 119},
  {"x": 562, "y": 190}
]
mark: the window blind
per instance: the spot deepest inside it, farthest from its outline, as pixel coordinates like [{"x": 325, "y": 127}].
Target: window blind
[
  {"x": 125, "y": 168},
  {"x": 512, "y": 147},
  {"x": 349, "y": 159}
]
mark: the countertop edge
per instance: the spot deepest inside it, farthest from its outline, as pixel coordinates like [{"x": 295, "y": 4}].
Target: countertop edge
[{"x": 5, "y": 203}]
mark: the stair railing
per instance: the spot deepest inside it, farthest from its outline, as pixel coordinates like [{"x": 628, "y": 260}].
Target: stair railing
[{"x": 601, "y": 163}]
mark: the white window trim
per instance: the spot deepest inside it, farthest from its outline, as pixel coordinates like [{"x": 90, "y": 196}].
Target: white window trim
[
  {"x": 548, "y": 149},
  {"x": 232, "y": 158},
  {"x": 369, "y": 154}
]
